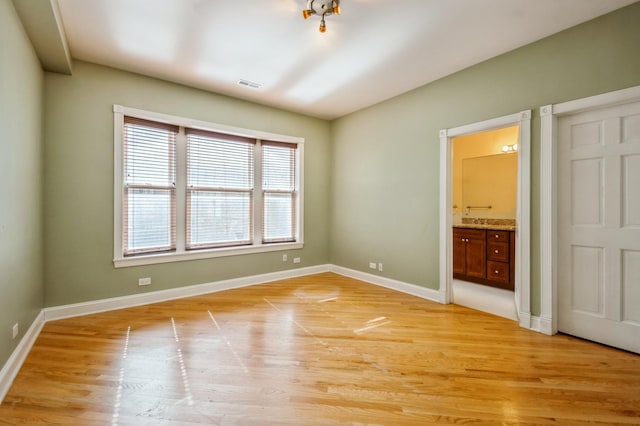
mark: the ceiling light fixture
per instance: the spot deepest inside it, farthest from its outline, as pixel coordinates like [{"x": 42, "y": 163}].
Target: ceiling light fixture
[{"x": 322, "y": 8}]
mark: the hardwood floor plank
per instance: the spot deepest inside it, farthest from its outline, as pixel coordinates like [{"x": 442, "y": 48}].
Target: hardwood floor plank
[{"x": 317, "y": 350}]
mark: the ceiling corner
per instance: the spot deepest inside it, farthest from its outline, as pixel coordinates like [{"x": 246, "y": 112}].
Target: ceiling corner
[{"x": 43, "y": 23}]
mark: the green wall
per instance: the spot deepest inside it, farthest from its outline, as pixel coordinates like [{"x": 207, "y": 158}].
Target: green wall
[
  {"x": 371, "y": 178},
  {"x": 78, "y": 185},
  {"x": 21, "y": 290},
  {"x": 385, "y": 173}
]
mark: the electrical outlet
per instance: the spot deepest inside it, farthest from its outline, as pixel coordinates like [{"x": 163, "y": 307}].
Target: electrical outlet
[
  {"x": 372, "y": 265},
  {"x": 296, "y": 260},
  {"x": 16, "y": 330},
  {"x": 380, "y": 267},
  {"x": 284, "y": 257},
  {"x": 144, "y": 281}
]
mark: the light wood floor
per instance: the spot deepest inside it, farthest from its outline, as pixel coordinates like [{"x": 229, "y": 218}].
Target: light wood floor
[{"x": 319, "y": 350}]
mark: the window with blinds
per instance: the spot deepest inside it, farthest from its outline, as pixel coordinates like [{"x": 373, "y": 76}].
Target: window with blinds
[
  {"x": 193, "y": 190},
  {"x": 279, "y": 192},
  {"x": 149, "y": 200},
  {"x": 219, "y": 189}
]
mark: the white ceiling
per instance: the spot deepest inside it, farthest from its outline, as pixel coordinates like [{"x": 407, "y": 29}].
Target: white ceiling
[{"x": 374, "y": 50}]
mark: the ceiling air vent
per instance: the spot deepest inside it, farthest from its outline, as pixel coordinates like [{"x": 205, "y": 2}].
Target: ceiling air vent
[{"x": 248, "y": 83}]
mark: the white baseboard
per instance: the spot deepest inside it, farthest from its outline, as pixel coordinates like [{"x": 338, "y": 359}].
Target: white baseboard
[
  {"x": 525, "y": 319},
  {"x": 541, "y": 325},
  {"x": 15, "y": 361},
  {"x": 96, "y": 306},
  {"x": 415, "y": 290}
]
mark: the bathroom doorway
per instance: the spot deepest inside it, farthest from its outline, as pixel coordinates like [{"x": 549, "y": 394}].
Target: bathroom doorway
[
  {"x": 485, "y": 177},
  {"x": 492, "y": 212}
]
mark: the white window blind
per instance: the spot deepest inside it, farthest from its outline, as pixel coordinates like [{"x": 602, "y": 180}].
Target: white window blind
[
  {"x": 149, "y": 199},
  {"x": 279, "y": 192},
  {"x": 220, "y": 183}
]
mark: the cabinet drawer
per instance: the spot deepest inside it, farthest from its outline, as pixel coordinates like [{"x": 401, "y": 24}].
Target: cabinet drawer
[
  {"x": 498, "y": 271},
  {"x": 471, "y": 234},
  {"x": 498, "y": 251},
  {"x": 498, "y": 236}
]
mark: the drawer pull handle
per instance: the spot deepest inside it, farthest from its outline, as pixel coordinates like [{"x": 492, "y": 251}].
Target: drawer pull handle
[
  {"x": 495, "y": 251},
  {"x": 496, "y": 271},
  {"x": 497, "y": 236}
]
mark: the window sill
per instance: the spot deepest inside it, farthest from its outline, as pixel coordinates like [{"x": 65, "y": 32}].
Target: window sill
[{"x": 201, "y": 254}]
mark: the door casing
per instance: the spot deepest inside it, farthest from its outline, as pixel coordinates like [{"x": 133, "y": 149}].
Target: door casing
[{"x": 523, "y": 211}]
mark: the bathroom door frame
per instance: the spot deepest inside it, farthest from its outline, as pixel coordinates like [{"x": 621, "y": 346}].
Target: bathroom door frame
[{"x": 523, "y": 207}]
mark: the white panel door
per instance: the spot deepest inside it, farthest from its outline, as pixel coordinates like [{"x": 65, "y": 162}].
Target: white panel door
[{"x": 599, "y": 226}]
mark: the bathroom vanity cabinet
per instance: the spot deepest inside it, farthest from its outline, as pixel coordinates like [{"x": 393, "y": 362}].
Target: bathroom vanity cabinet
[{"x": 484, "y": 256}]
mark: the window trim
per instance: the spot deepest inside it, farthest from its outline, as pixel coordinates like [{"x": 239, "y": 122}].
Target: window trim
[{"x": 119, "y": 260}]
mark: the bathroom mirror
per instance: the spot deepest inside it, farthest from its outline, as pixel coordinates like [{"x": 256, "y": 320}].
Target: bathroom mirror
[{"x": 489, "y": 186}]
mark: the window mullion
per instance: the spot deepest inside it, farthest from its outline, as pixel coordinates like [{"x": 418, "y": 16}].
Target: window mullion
[
  {"x": 181, "y": 190},
  {"x": 258, "y": 195}
]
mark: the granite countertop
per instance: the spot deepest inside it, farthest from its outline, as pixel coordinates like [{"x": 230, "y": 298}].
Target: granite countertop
[{"x": 486, "y": 226}]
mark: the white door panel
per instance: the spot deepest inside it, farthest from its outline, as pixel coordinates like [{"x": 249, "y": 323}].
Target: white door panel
[
  {"x": 599, "y": 225},
  {"x": 631, "y": 128},
  {"x": 587, "y": 274},
  {"x": 587, "y": 198},
  {"x": 631, "y": 190},
  {"x": 630, "y": 287}
]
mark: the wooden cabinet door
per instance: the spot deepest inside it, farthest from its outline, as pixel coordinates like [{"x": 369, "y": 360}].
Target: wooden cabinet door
[
  {"x": 459, "y": 254},
  {"x": 476, "y": 258},
  {"x": 512, "y": 258}
]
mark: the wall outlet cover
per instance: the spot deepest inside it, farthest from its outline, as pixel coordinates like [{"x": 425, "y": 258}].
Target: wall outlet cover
[{"x": 144, "y": 281}]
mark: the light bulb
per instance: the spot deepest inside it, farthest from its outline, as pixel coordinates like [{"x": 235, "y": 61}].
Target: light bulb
[
  {"x": 306, "y": 13},
  {"x": 323, "y": 26},
  {"x": 336, "y": 10}
]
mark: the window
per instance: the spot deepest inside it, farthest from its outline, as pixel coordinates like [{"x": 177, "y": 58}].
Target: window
[
  {"x": 279, "y": 191},
  {"x": 149, "y": 186},
  {"x": 219, "y": 190},
  {"x": 186, "y": 189}
]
